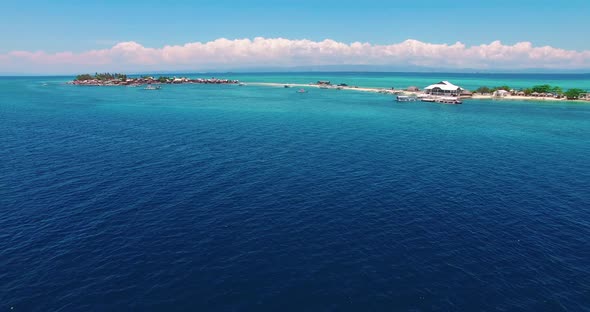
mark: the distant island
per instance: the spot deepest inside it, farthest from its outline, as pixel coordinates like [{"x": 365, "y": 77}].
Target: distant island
[
  {"x": 443, "y": 88},
  {"x": 108, "y": 79}
]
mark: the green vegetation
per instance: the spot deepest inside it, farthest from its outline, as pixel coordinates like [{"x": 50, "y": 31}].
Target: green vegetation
[
  {"x": 557, "y": 90},
  {"x": 545, "y": 88},
  {"x": 105, "y": 77},
  {"x": 483, "y": 90},
  {"x": 528, "y": 91},
  {"x": 102, "y": 77},
  {"x": 542, "y": 88},
  {"x": 491, "y": 90},
  {"x": 84, "y": 77},
  {"x": 504, "y": 87},
  {"x": 573, "y": 94}
]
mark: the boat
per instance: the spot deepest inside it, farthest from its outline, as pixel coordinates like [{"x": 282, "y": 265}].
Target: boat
[
  {"x": 449, "y": 100},
  {"x": 301, "y": 91},
  {"x": 150, "y": 87},
  {"x": 427, "y": 100},
  {"x": 405, "y": 98}
]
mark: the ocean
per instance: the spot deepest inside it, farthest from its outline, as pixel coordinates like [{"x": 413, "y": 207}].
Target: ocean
[{"x": 254, "y": 198}]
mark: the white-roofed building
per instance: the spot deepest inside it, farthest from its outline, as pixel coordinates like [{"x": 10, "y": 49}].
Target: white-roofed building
[
  {"x": 443, "y": 88},
  {"x": 501, "y": 93}
]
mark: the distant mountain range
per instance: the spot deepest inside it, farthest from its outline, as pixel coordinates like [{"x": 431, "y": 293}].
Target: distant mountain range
[
  {"x": 391, "y": 68},
  {"x": 329, "y": 68}
]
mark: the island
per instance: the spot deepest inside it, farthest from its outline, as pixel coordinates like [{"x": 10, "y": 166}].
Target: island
[
  {"x": 108, "y": 79},
  {"x": 448, "y": 90},
  {"x": 443, "y": 89}
]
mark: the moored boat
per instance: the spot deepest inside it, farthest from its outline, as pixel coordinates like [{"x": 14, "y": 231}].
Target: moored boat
[
  {"x": 405, "y": 98},
  {"x": 449, "y": 100}
]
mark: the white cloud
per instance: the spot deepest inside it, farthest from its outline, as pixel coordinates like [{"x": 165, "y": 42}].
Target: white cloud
[{"x": 223, "y": 53}]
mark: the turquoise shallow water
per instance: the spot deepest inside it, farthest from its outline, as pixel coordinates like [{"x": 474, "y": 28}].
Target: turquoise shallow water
[
  {"x": 213, "y": 197},
  {"x": 421, "y": 80}
]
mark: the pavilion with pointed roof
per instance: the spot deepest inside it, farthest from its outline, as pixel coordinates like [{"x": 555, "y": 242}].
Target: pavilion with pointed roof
[{"x": 444, "y": 88}]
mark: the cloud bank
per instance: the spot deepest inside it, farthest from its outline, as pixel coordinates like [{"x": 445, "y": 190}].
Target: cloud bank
[{"x": 279, "y": 52}]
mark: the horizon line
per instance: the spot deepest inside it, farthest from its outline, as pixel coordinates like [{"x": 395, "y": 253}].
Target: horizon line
[{"x": 190, "y": 72}]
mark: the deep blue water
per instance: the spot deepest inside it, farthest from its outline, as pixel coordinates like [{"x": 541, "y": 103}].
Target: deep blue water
[{"x": 228, "y": 198}]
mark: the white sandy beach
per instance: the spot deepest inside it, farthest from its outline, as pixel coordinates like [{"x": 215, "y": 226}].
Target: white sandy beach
[
  {"x": 404, "y": 92},
  {"x": 308, "y": 85}
]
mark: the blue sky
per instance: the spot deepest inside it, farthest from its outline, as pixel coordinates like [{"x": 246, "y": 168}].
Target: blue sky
[{"x": 79, "y": 26}]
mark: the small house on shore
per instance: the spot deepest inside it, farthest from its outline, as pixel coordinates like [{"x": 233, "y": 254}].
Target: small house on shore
[
  {"x": 501, "y": 93},
  {"x": 444, "y": 88},
  {"x": 413, "y": 89},
  {"x": 466, "y": 93}
]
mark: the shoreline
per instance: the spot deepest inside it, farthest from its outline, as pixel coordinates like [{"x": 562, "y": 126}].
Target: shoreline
[
  {"x": 409, "y": 93},
  {"x": 134, "y": 82},
  {"x": 148, "y": 81},
  {"x": 333, "y": 87}
]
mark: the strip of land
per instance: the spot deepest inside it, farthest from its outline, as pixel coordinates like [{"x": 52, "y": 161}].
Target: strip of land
[
  {"x": 108, "y": 79},
  {"x": 413, "y": 93},
  {"x": 437, "y": 91}
]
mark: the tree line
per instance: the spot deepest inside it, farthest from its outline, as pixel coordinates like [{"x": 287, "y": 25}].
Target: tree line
[
  {"x": 116, "y": 76},
  {"x": 102, "y": 76},
  {"x": 571, "y": 94}
]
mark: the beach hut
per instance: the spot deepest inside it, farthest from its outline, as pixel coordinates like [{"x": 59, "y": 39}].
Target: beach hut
[
  {"x": 535, "y": 94},
  {"x": 520, "y": 93},
  {"x": 443, "y": 88},
  {"x": 413, "y": 89},
  {"x": 466, "y": 93}
]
